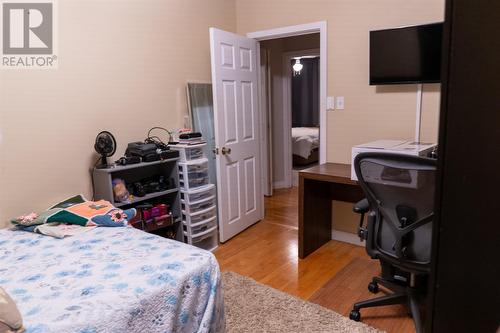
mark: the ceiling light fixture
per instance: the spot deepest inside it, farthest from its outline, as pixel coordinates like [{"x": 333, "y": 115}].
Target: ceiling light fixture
[{"x": 297, "y": 67}]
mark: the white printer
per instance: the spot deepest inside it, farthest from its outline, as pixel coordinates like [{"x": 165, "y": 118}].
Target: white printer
[{"x": 391, "y": 146}]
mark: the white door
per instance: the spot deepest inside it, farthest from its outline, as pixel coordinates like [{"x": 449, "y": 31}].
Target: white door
[{"x": 236, "y": 115}]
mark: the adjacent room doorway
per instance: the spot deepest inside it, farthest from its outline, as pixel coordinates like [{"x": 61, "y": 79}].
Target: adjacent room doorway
[
  {"x": 290, "y": 43},
  {"x": 294, "y": 108}
]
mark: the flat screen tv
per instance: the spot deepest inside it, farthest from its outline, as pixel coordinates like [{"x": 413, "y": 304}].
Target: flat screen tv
[{"x": 406, "y": 55}]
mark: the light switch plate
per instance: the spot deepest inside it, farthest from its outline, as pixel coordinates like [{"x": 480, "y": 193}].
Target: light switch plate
[
  {"x": 330, "y": 103},
  {"x": 340, "y": 103}
]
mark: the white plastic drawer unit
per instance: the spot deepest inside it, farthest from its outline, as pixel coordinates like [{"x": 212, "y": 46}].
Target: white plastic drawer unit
[
  {"x": 207, "y": 240},
  {"x": 193, "y": 174},
  {"x": 197, "y": 206},
  {"x": 196, "y": 229},
  {"x": 198, "y": 194},
  {"x": 189, "y": 152},
  {"x": 200, "y": 216}
]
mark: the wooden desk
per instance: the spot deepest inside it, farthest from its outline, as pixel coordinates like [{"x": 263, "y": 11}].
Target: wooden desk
[{"x": 318, "y": 186}]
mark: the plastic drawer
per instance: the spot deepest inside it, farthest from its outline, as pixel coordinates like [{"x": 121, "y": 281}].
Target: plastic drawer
[
  {"x": 198, "y": 194},
  {"x": 193, "y": 183},
  {"x": 194, "y": 229},
  {"x": 201, "y": 166},
  {"x": 198, "y": 206},
  {"x": 200, "y": 216},
  {"x": 193, "y": 174},
  {"x": 192, "y": 153},
  {"x": 207, "y": 240},
  {"x": 189, "y": 152}
]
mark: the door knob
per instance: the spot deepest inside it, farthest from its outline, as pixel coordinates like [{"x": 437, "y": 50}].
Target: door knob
[
  {"x": 225, "y": 151},
  {"x": 215, "y": 151}
]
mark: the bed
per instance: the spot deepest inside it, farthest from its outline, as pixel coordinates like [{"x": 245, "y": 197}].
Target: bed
[
  {"x": 305, "y": 145},
  {"x": 111, "y": 280}
]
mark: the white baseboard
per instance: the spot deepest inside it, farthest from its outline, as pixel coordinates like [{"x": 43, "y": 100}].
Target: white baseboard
[
  {"x": 347, "y": 237},
  {"x": 280, "y": 184}
]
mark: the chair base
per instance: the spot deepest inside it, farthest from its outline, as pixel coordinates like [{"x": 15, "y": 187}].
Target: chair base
[{"x": 401, "y": 294}]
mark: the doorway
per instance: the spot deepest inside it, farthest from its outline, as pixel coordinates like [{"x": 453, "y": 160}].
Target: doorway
[
  {"x": 287, "y": 43},
  {"x": 293, "y": 124}
]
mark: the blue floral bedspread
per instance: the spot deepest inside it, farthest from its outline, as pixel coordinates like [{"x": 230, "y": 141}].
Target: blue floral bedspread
[{"x": 111, "y": 280}]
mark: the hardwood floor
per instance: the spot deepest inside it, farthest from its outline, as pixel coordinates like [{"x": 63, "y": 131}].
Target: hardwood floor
[{"x": 335, "y": 276}]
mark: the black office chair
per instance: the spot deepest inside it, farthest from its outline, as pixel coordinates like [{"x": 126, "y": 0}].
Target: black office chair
[{"x": 399, "y": 201}]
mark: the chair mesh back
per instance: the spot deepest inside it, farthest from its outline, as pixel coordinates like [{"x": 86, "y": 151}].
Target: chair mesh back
[{"x": 401, "y": 190}]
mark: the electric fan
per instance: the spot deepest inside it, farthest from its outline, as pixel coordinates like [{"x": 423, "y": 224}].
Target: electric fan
[{"x": 105, "y": 145}]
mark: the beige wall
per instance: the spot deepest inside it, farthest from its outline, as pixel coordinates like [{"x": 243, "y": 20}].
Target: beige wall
[
  {"x": 123, "y": 66},
  {"x": 277, "y": 48},
  {"x": 370, "y": 112}
]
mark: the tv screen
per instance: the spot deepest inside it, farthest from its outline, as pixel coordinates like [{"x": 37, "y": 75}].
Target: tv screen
[{"x": 406, "y": 55}]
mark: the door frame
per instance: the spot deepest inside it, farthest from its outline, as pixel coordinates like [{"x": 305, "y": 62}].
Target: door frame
[
  {"x": 287, "y": 112},
  {"x": 292, "y": 31},
  {"x": 265, "y": 84}
]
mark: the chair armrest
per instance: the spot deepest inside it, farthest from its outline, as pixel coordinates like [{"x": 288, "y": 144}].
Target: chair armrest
[
  {"x": 361, "y": 207},
  {"x": 370, "y": 233}
]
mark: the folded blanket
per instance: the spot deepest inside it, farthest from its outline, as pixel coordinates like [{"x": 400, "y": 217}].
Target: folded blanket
[{"x": 75, "y": 211}]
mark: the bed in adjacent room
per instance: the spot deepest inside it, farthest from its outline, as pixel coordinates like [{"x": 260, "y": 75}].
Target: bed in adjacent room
[
  {"x": 305, "y": 145},
  {"x": 111, "y": 280}
]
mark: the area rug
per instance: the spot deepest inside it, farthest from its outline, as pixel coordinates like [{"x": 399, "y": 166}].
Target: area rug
[{"x": 254, "y": 307}]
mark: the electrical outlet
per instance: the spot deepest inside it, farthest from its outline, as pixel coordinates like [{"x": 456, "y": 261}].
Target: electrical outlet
[{"x": 340, "y": 103}]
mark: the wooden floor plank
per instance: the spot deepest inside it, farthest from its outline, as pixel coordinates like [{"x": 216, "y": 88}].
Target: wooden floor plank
[{"x": 335, "y": 276}]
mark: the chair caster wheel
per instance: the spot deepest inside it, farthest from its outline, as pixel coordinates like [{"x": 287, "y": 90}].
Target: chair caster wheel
[
  {"x": 355, "y": 315},
  {"x": 373, "y": 287}
]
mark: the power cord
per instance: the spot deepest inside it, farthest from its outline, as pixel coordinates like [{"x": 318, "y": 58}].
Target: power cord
[{"x": 156, "y": 140}]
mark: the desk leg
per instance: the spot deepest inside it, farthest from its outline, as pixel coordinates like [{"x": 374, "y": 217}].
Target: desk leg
[{"x": 315, "y": 215}]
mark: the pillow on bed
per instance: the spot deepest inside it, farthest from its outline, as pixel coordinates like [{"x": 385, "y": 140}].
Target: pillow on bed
[
  {"x": 77, "y": 210},
  {"x": 10, "y": 317}
]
